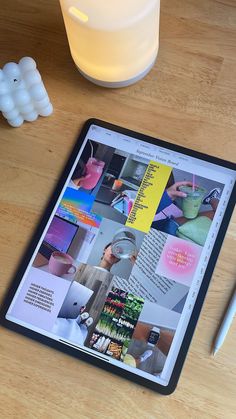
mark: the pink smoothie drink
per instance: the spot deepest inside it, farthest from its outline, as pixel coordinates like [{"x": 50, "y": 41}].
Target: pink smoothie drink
[{"x": 94, "y": 170}]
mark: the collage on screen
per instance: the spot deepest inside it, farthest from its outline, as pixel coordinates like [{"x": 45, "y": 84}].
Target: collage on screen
[{"x": 116, "y": 263}]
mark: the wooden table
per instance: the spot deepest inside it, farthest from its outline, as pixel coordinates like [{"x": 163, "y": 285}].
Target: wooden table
[{"x": 189, "y": 98}]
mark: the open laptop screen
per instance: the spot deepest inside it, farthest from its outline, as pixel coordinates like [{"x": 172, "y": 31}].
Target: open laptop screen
[{"x": 58, "y": 237}]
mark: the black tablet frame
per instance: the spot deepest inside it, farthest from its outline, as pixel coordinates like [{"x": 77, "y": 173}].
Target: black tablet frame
[{"x": 72, "y": 349}]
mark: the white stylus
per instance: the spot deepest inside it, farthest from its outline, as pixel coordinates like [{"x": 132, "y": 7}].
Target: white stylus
[{"x": 229, "y": 315}]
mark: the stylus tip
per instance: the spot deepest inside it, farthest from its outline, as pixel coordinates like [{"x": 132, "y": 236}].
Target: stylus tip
[{"x": 214, "y": 351}]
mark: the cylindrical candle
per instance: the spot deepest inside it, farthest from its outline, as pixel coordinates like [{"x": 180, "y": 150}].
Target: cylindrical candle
[{"x": 113, "y": 43}]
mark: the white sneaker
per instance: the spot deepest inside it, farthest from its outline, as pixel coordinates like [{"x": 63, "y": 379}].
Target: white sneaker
[{"x": 214, "y": 193}]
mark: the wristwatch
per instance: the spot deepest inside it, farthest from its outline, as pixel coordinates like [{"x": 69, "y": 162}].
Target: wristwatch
[{"x": 154, "y": 336}]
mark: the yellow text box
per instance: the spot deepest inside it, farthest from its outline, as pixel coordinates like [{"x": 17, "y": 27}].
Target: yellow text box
[{"x": 148, "y": 196}]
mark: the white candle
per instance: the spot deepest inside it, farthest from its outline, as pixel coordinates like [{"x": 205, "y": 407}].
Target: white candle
[
  {"x": 112, "y": 42},
  {"x": 23, "y": 96}
]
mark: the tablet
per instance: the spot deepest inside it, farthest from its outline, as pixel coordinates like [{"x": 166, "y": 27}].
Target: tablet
[{"x": 117, "y": 271}]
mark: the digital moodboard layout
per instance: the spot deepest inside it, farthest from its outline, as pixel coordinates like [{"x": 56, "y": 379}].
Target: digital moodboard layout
[{"x": 118, "y": 258}]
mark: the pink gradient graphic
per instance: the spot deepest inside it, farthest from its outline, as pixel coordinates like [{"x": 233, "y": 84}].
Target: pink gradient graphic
[{"x": 179, "y": 260}]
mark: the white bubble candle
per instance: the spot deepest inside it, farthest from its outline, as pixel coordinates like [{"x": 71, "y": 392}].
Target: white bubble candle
[
  {"x": 113, "y": 43},
  {"x": 23, "y": 96}
]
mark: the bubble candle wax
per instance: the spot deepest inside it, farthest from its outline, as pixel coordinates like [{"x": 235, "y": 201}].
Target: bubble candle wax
[
  {"x": 23, "y": 96},
  {"x": 113, "y": 43}
]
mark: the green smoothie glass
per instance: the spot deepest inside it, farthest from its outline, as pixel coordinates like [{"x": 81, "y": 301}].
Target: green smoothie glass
[{"x": 191, "y": 204}]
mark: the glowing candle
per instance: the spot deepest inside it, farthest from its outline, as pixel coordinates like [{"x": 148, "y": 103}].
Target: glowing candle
[{"x": 113, "y": 43}]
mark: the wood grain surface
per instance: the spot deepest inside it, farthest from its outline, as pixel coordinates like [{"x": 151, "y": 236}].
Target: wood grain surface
[{"x": 188, "y": 98}]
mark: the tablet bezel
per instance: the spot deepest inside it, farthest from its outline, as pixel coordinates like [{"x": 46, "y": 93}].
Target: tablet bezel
[{"x": 83, "y": 354}]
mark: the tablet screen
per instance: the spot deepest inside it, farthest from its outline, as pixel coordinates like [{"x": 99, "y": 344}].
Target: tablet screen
[{"x": 118, "y": 268}]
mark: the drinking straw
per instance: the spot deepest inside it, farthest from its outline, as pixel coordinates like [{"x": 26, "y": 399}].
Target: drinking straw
[{"x": 193, "y": 183}]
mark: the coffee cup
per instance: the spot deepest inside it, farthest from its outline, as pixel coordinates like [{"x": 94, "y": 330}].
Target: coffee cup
[{"x": 60, "y": 264}]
